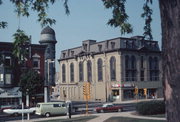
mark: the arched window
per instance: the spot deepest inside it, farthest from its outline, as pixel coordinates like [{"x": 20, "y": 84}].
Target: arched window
[
  {"x": 127, "y": 62},
  {"x": 133, "y": 62},
  {"x": 81, "y": 72},
  {"x": 133, "y": 68},
  {"x": 100, "y": 71},
  {"x": 63, "y": 73},
  {"x": 127, "y": 67},
  {"x": 72, "y": 72},
  {"x": 89, "y": 71},
  {"x": 113, "y": 68}
]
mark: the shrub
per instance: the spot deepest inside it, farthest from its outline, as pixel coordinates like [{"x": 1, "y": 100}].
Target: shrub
[{"x": 151, "y": 107}]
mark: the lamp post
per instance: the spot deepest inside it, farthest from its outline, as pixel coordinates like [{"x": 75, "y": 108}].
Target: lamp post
[{"x": 47, "y": 85}]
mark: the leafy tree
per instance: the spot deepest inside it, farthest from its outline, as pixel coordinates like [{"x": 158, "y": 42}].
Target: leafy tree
[
  {"x": 30, "y": 82},
  {"x": 21, "y": 42},
  {"x": 170, "y": 25}
]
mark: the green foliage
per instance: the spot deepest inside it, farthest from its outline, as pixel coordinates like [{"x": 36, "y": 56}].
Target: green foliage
[
  {"x": 3, "y": 24},
  {"x": 151, "y": 107},
  {"x": 30, "y": 82},
  {"x": 147, "y": 15},
  {"x": 120, "y": 17},
  {"x": 21, "y": 42},
  {"x": 23, "y": 8}
]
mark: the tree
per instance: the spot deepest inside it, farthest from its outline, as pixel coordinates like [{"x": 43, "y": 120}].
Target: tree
[
  {"x": 170, "y": 25},
  {"x": 30, "y": 82},
  {"x": 21, "y": 46}
]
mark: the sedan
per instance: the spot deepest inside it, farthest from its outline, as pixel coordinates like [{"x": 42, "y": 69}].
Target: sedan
[
  {"x": 109, "y": 107},
  {"x": 18, "y": 110}
]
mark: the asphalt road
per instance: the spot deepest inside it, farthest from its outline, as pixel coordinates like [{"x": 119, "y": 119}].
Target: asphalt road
[{"x": 81, "y": 110}]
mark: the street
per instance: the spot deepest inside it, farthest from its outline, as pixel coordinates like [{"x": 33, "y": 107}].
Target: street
[{"x": 80, "y": 110}]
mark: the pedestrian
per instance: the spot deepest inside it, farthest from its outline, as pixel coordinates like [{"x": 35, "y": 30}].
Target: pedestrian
[{"x": 69, "y": 110}]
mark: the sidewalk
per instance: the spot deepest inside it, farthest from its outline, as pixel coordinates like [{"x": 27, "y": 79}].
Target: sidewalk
[
  {"x": 101, "y": 117},
  {"x": 104, "y": 116}
]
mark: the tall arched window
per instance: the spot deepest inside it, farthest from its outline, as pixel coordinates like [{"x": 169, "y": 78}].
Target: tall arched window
[
  {"x": 127, "y": 67},
  {"x": 113, "y": 68},
  {"x": 100, "y": 71},
  {"x": 81, "y": 72},
  {"x": 133, "y": 68},
  {"x": 72, "y": 72},
  {"x": 150, "y": 69},
  {"x": 63, "y": 73},
  {"x": 89, "y": 71}
]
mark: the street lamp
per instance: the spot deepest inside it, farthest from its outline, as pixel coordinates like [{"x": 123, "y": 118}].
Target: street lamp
[{"x": 47, "y": 85}]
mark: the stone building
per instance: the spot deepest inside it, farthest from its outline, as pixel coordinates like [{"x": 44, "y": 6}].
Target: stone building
[{"x": 114, "y": 67}]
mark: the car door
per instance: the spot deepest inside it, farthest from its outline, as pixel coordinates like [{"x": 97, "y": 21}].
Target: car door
[{"x": 110, "y": 108}]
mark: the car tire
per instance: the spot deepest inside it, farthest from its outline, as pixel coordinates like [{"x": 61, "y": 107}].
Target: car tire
[
  {"x": 120, "y": 110},
  {"x": 47, "y": 114},
  {"x": 101, "y": 111}
]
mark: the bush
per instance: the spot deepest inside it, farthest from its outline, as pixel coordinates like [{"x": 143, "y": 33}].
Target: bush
[{"x": 151, "y": 107}]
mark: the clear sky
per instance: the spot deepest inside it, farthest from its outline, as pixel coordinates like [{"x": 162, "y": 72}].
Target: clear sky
[{"x": 87, "y": 20}]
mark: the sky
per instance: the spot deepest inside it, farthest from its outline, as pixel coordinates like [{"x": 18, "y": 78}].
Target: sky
[{"x": 87, "y": 20}]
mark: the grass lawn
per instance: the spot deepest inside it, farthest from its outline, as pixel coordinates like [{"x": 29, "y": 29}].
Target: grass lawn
[
  {"x": 125, "y": 119},
  {"x": 77, "y": 119}
]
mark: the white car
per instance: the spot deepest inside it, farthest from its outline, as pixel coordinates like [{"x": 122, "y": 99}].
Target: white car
[{"x": 18, "y": 110}]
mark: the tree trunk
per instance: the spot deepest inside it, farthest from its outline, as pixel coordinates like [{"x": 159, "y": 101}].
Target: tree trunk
[{"x": 170, "y": 23}]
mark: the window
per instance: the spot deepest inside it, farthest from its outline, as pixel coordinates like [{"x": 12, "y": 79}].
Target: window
[
  {"x": 100, "y": 48},
  {"x": 100, "y": 71},
  {"x": 72, "y": 72},
  {"x": 112, "y": 45},
  {"x": 113, "y": 68},
  {"x": 8, "y": 78},
  {"x": 64, "y": 55},
  {"x": 72, "y": 53},
  {"x": 81, "y": 72},
  {"x": 142, "y": 62},
  {"x": 153, "y": 69},
  {"x": 7, "y": 61},
  {"x": 142, "y": 69},
  {"x": 89, "y": 71},
  {"x": 130, "y": 68},
  {"x": 63, "y": 73},
  {"x": 36, "y": 61},
  {"x": 85, "y": 47},
  {"x": 56, "y": 105},
  {"x": 1, "y": 79}
]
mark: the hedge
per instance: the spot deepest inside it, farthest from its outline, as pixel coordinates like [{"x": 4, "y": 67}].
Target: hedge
[{"x": 151, "y": 107}]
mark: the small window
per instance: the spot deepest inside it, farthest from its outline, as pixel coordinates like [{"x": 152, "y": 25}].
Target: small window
[
  {"x": 63, "y": 105},
  {"x": 35, "y": 64},
  {"x": 8, "y": 61},
  {"x": 85, "y": 47},
  {"x": 112, "y": 45},
  {"x": 100, "y": 48},
  {"x": 72, "y": 53},
  {"x": 56, "y": 105},
  {"x": 64, "y": 55},
  {"x": 8, "y": 78},
  {"x": 1, "y": 77}
]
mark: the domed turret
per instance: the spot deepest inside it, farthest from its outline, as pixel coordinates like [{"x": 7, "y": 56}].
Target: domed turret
[{"x": 47, "y": 35}]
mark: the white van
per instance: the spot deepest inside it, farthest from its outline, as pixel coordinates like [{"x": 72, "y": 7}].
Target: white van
[{"x": 51, "y": 108}]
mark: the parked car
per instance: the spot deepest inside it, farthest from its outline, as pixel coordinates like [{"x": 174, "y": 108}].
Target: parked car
[
  {"x": 109, "y": 107},
  {"x": 18, "y": 110},
  {"x": 51, "y": 108}
]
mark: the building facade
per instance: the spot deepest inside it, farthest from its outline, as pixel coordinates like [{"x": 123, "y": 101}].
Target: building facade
[
  {"x": 40, "y": 58},
  {"x": 114, "y": 69}
]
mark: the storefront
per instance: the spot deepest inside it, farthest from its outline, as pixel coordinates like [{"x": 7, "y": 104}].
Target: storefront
[{"x": 10, "y": 97}]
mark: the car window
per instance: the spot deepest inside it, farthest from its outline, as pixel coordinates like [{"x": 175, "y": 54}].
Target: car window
[{"x": 56, "y": 105}]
